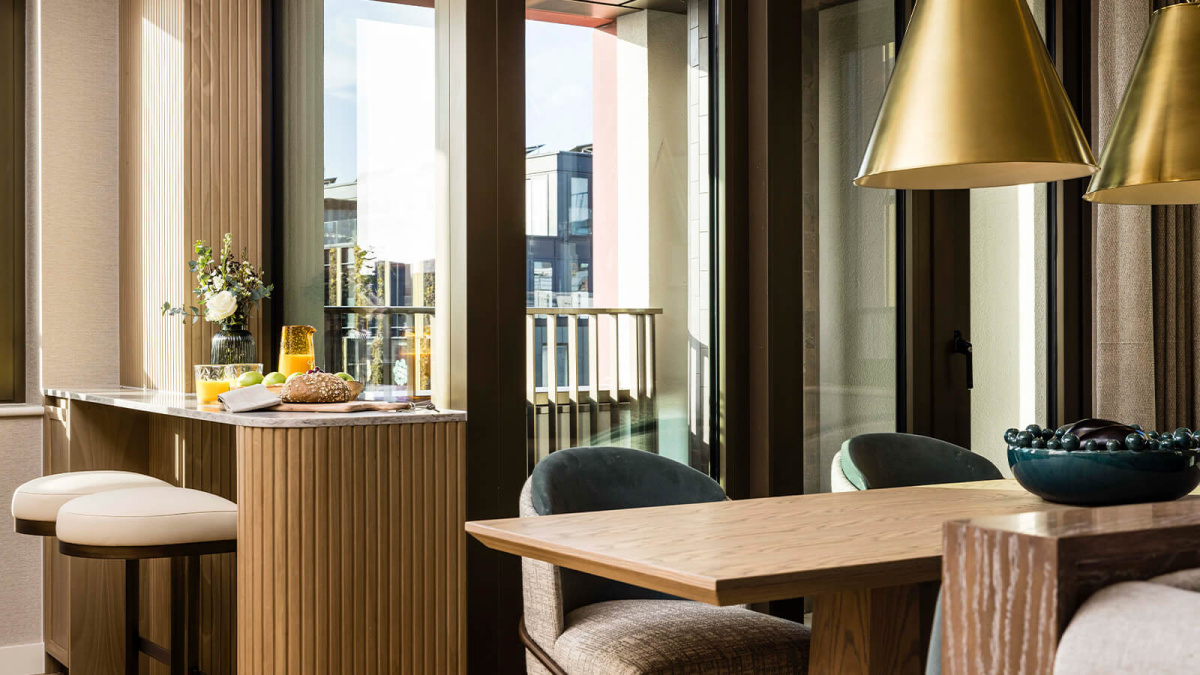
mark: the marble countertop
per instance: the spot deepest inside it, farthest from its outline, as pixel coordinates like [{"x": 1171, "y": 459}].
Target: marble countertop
[{"x": 184, "y": 405}]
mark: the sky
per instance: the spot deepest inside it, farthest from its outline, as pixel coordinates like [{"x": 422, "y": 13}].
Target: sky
[{"x": 558, "y": 76}]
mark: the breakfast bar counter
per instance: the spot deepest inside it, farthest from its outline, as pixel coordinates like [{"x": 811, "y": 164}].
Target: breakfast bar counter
[
  {"x": 350, "y": 534},
  {"x": 176, "y": 404}
]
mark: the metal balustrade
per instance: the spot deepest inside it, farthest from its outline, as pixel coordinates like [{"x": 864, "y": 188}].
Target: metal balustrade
[
  {"x": 589, "y": 402},
  {"x": 402, "y": 335},
  {"x": 602, "y": 367}
]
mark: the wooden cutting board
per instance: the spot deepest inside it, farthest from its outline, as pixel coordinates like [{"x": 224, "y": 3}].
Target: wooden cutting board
[{"x": 352, "y": 406}]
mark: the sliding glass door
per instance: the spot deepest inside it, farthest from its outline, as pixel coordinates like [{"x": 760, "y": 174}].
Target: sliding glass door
[
  {"x": 850, "y": 276},
  {"x": 924, "y": 313},
  {"x": 618, "y": 204}
]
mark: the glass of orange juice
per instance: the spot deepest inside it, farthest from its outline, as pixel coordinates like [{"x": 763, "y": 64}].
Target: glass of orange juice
[
  {"x": 296, "y": 350},
  {"x": 211, "y": 381}
]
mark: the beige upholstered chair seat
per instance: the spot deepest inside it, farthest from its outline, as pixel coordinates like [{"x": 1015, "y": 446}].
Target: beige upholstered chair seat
[
  {"x": 1136, "y": 627},
  {"x": 151, "y": 516},
  {"x": 659, "y": 637},
  {"x": 585, "y": 625},
  {"x": 41, "y": 498}
]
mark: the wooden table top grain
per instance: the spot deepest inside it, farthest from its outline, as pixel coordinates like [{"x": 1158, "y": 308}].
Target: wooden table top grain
[{"x": 757, "y": 550}]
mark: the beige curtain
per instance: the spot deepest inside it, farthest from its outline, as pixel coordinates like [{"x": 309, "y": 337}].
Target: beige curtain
[
  {"x": 1123, "y": 323},
  {"x": 1176, "y": 279},
  {"x": 1175, "y": 243},
  {"x": 1147, "y": 285}
]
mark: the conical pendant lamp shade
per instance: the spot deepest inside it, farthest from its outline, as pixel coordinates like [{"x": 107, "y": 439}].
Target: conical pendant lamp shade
[
  {"x": 974, "y": 102},
  {"x": 1153, "y": 152}
]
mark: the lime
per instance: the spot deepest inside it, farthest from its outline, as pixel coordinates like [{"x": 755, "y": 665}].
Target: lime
[
  {"x": 250, "y": 379},
  {"x": 346, "y": 376},
  {"x": 275, "y": 378},
  {"x": 293, "y": 376}
]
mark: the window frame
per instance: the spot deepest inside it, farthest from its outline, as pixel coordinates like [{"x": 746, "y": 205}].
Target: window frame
[{"x": 12, "y": 201}]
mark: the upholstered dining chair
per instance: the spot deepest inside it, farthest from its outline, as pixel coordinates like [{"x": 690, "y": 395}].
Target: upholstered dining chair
[
  {"x": 581, "y": 624},
  {"x": 886, "y": 460}
]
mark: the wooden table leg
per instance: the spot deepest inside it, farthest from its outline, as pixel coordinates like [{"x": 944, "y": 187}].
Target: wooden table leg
[{"x": 873, "y": 631}]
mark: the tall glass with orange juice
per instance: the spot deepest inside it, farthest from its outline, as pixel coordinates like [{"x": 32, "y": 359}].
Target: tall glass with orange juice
[{"x": 296, "y": 350}]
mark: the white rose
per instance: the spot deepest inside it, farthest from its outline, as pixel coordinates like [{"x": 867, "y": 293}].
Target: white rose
[{"x": 220, "y": 306}]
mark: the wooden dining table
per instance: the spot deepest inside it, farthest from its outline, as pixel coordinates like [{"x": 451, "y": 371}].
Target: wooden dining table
[{"x": 870, "y": 560}]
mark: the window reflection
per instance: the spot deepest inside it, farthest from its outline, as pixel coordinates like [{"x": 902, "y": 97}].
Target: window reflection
[
  {"x": 379, "y": 227},
  {"x": 618, "y": 236}
]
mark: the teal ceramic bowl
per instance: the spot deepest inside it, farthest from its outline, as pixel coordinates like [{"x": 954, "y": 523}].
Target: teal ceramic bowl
[{"x": 1102, "y": 478}]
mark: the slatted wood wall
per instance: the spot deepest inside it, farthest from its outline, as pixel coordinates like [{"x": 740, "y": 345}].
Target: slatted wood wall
[
  {"x": 198, "y": 455},
  {"x": 299, "y": 73},
  {"x": 192, "y": 167},
  {"x": 381, "y": 586}
]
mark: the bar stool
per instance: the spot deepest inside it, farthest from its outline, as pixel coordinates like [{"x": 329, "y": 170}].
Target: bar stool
[
  {"x": 36, "y": 503},
  {"x": 153, "y": 522}
]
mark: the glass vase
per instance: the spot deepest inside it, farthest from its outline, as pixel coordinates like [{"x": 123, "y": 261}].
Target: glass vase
[{"x": 233, "y": 344}]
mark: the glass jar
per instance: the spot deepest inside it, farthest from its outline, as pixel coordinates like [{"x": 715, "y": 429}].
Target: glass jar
[{"x": 233, "y": 344}]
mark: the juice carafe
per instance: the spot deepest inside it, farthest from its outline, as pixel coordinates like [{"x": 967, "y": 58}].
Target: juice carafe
[{"x": 296, "y": 350}]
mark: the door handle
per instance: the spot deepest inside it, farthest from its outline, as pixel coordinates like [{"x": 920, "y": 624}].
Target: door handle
[{"x": 962, "y": 346}]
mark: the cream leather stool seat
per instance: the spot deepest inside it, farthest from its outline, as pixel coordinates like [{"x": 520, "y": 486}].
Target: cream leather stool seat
[
  {"x": 153, "y": 522},
  {"x": 35, "y": 504},
  {"x": 147, "y": 517}
]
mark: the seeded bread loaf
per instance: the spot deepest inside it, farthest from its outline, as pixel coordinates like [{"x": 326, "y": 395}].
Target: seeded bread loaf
[{"x": 315, "y": 388}]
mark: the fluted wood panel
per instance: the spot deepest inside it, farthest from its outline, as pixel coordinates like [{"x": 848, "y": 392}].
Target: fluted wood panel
[
  {"x": 223, "y": 137},
  {"x": 351, "y": 549},
  {"x": 198, "y": 455},
  {"x": 299, "y": 76},
  {"x": 192, "y": 168},
  {"x": 153, "y": 245}
]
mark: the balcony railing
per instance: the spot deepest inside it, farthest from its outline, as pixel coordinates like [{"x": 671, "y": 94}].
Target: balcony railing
[
  {"x": 599, "y": 359},
  {"x": 609, "y": 387},
  {"x": 380, "y": 344}
]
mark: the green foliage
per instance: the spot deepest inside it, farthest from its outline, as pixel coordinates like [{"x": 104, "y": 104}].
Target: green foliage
[
  {"x": 366, "y": 292},
  {"x": 225, "y": 273}
]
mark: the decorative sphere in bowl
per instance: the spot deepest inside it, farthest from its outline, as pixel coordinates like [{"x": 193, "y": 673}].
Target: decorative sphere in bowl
[{"x": 1099, "y": 462}]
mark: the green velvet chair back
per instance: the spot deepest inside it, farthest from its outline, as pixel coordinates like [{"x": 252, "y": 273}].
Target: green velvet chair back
[
  {"x": 600, "y": 478},
  {"x": 887, "y": 460}
]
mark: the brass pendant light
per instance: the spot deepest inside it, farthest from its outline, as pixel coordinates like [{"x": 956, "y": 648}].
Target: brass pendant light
[
  {"x": 1153, "y": 151},
  {"x": 974, "y": 102}
]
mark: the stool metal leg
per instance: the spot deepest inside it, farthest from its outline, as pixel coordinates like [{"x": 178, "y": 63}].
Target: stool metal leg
[
  {"x": 132, "y": 598},
  {"x": 193, "y": 650},
  {"x": 178, "y": 616}
]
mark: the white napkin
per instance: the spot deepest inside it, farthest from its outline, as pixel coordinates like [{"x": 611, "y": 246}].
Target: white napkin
[{"x": 245, "y": 399}]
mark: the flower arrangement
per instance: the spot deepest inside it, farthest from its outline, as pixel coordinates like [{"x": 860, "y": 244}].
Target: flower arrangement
[{"x": 228, "y": 288}]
